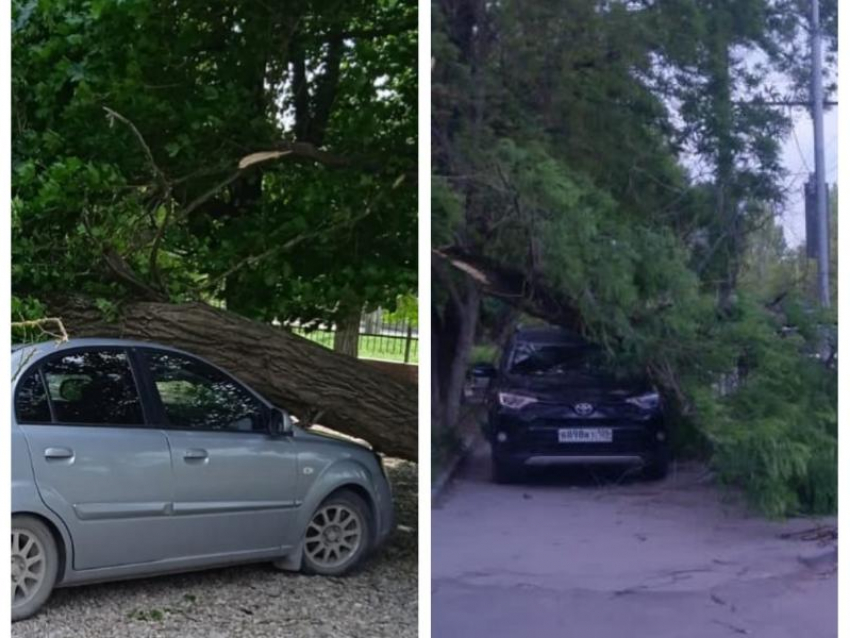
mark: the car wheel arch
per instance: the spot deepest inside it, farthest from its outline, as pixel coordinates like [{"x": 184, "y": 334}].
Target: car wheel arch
[
  {"x": 343, "y": 475},
  {"x": 293, "y": 561},
  {"x": 63, "y": 543}
]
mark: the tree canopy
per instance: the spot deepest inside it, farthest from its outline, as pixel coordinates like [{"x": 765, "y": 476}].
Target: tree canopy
[{"x": 259, "y": 154}]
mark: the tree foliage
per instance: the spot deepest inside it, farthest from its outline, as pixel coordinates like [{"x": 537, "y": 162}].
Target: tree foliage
[{"x": 138, "y": 129}]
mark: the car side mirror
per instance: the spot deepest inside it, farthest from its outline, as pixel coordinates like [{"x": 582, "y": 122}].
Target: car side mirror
[
  {"x": 484, "y": 370},
  {"x": 280, "y": 423}
]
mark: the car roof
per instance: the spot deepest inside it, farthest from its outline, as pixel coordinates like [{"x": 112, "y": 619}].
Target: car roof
[
  {"x": 552, "y": 335},
  {"x": 42, "y": 348}
]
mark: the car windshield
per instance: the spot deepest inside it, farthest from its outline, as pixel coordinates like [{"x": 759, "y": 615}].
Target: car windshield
[{"x": 555, "y": 359}]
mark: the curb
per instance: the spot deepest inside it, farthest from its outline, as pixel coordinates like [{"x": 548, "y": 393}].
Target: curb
[{"x": 438, "y": 486}]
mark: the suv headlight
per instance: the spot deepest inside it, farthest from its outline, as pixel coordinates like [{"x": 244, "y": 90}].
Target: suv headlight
[
  {"x": 515, "y": 401},
  {"x": 648, "y": 401}
]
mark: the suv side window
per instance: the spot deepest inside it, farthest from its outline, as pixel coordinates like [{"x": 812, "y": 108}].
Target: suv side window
[
  {"x": 31, "y": 404},
  {"x": 197, "y": 396},
  {"x": 93, "y": 387}
]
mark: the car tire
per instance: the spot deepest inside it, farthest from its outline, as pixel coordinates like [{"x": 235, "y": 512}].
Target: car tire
[
  {"x": 505, "y": 472},
  {"x": 656, "y": 469},
  {"x": 330, "y": 547},
  {"x": 35, "y": 561}
]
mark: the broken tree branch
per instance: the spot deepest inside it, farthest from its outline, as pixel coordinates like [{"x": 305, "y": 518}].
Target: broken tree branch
[
  {"x": 62, "y": 334},
  {"x": 159, "y": 176},
  {"x": 515, "y": 287},
  {"x": 125, "y": 274},
  {"x": 252, "y": 260}
]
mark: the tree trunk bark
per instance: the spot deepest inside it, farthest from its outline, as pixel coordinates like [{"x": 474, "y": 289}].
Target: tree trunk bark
[
  {"x": 303, "y": 377},
  {"x": 453, "y": 335},
  {"x": 436, "y": 390},
  {"x": 467, "y": 318},
  {"x": 347, "y": 334}
]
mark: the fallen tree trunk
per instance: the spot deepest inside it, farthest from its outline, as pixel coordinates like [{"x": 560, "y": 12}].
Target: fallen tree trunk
[{"x": 303, "y": 377}]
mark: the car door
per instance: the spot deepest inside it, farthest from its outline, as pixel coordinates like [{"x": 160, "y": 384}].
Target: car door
[
  {"x": 96, "y": 463},
  {"x": 235, "y": 486}
]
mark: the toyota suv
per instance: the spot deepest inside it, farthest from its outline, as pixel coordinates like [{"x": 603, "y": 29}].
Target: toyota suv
[{"x": 554, "y": 400}]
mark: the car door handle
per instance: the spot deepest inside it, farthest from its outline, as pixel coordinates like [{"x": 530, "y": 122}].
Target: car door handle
[
  {"x": 195, "y": 455},
  {"x": 55, "y": 453}
]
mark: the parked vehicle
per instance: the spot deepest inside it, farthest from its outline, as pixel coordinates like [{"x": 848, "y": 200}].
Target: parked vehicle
[
  {"x": 476, "y": 383},
  {"x": 133, "y": 459},
  {"x": 553, "y": 401}
]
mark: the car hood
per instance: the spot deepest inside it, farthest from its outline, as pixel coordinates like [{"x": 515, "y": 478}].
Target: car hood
[
  {"x": 573, "y": 387},
  {"x": 332, "y": 439}
]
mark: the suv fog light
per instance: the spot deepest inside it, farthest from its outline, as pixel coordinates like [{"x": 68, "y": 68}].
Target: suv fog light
[
  {"x": 501, "y": 437},
  {"x": 660, "y": 436}
]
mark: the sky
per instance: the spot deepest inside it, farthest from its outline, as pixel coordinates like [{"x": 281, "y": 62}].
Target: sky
[{"x": 798, "y": 158}]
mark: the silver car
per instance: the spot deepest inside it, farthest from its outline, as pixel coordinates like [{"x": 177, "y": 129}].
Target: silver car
[{"x": 132, "y": 459}]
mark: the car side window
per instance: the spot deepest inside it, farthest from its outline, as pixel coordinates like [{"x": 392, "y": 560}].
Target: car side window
[
  {"x": 31, "y": 404},
  {"x": 197, "y": 396},
  {"x": 93, "y": 387}
]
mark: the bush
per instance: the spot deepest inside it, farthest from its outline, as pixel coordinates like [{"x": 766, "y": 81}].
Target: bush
[
  {"x": 484, "y": 353},
  {"x": 776, "y": 435}
]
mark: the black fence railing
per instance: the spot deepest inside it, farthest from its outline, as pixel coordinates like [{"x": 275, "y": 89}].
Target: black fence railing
[{"x": 379, "y": 339}]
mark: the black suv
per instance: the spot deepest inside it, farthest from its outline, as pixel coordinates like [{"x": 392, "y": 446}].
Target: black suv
[{"x": 553, "y": 401}]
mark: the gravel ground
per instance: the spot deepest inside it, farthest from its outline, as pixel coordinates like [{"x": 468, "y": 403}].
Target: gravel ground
[{"x": 256, "y": 600}]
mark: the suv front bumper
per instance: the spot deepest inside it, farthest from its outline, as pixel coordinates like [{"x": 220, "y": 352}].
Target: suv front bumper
[{"x": 535, "y": 442}]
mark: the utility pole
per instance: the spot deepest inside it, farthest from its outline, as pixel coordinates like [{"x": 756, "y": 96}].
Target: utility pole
[{"x": 820, "y": 173}]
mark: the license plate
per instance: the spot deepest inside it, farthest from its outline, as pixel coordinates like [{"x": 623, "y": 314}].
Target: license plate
[{"x": 585, "y": 435}]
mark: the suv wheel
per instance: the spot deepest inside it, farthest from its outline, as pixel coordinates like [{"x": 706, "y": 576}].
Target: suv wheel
[
  {"x": 35, "y": 563},
  {"x": 338, "y": 535}
]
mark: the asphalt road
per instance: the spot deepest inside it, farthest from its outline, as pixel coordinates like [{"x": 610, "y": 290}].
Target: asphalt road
[{"x": 578, "y": 554}]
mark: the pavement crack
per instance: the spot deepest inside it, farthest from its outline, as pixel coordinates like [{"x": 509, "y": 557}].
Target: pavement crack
[{"x": 742, "y": 631}]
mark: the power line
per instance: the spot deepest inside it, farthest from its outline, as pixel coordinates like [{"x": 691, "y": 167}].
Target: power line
[{"x": 800, "y": 150}]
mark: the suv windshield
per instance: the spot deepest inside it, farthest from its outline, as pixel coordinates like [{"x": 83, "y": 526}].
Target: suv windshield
[{"x": 553, "y": 359}]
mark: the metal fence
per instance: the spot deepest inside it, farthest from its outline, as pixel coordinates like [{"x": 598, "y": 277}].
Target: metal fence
[{"x": 379, "y": 339}]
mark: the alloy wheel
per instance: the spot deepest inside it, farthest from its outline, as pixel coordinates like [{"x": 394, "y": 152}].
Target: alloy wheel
[
  {"x": 334, "y": 535},
  {"x": 28, "y": 566}
]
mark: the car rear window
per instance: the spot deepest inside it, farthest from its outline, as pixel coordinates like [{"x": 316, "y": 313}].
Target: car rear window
[
  {"x": 31, "y": 404},
  {"x": 94, "y": 387}
]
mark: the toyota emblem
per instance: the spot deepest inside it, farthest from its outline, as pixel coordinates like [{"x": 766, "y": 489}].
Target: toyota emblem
[{"x": 584, "y": 409}]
